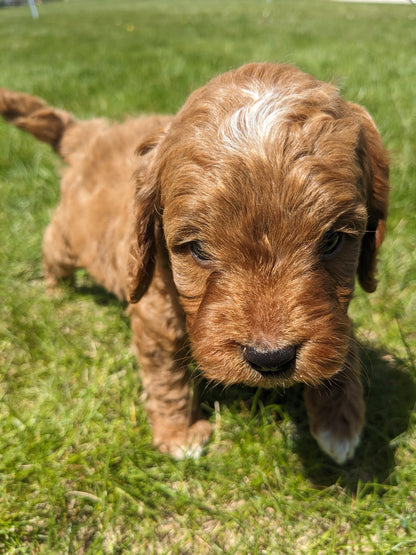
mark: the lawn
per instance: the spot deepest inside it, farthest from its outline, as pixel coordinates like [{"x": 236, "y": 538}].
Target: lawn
[{"x": 78, "y": 473}]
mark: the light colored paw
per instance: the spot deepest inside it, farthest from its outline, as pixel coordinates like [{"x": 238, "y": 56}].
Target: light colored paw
[
  {"x": 187, "y": 452},
  {"x": 184, "y": 444},
  {"x": 340, "y": 449}
]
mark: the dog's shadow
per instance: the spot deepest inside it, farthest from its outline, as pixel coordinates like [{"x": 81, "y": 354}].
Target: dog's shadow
[
  {"x": 390, "y": 395},
  {"x": 82, "y": 285}
]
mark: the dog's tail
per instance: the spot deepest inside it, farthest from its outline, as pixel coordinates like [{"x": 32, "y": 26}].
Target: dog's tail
[{"x": 34, "y": 116}]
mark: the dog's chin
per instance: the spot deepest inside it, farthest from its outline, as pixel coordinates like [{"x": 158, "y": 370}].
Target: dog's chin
[
  {"x": 271, "y": 377},
  {"x": 231, "y": 370},
  {"x": 252, "y": 377},
  {"x": 264, "y": 378}
]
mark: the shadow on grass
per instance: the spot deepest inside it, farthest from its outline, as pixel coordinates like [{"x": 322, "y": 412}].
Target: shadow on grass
[
  {"x": 99, "y": 295},
  {"x": 84, "y": 285},
  {"x": 390, "y": 394}
]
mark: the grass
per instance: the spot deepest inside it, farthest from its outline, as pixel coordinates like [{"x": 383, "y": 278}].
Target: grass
[{"x": 77, "y": 470}]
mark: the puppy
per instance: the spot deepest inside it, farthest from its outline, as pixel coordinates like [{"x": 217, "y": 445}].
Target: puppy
[{"x": 237, "y": 242}]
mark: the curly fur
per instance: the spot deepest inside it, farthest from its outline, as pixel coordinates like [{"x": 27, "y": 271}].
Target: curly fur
[{"x": 238, "y": 241}]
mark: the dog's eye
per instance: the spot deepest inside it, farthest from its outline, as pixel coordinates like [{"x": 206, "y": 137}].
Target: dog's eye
[
  {"x": 330, "y": 242},
  {"x": 198, "y": 252}
]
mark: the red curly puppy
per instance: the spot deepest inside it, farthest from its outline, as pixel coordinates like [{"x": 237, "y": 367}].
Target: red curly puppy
[{"x": 253, "y": 210}]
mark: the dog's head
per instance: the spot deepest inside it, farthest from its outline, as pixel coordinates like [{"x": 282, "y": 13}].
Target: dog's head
[{"x": 268, "y": 193}]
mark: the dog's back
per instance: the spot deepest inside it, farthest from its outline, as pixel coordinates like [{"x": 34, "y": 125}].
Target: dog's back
[{"x": 94, "y": 220}]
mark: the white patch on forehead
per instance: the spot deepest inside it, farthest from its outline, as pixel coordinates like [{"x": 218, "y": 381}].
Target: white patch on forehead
[
  {"x": 253, "y": 94},
  {"x": 254, "y": 122}
]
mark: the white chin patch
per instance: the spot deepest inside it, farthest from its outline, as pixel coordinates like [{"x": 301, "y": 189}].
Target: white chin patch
[{"x": 339, "y": 449}]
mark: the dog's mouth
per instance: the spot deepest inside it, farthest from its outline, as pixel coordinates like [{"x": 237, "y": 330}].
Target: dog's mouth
[
  {"x": 276, "y": 372},
  {"x": 273, "y": 376}
]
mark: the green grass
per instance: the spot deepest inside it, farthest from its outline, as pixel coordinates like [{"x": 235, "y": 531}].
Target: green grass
[{"x": 77, "y": 470}]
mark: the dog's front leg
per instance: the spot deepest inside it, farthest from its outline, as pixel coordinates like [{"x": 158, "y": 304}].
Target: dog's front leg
[
  {"x": 336, "y": 410},
  {"x": 159, "y": 339}
]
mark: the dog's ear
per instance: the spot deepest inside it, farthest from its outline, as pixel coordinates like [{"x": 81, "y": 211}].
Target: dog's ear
[
  {"x": 375, "y": 163},
  {"x": 143, "y": 249}
]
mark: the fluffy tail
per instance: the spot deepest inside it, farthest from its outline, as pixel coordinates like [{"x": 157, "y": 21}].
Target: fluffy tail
[{"x": 34, "y": 116}]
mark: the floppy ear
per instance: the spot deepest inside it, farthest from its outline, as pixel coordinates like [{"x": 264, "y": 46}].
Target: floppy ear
[
  {"x": 375, "y": 163},
  {"x": 143, "y": 249}
]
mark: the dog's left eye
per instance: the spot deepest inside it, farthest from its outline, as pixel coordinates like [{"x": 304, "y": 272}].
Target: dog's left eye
[
  {"x": 198, "y": 252},
  {"x": 330, "y": 243}
]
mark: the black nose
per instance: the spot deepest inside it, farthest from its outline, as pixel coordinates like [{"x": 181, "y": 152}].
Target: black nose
[{"x": 269, "y": 360}]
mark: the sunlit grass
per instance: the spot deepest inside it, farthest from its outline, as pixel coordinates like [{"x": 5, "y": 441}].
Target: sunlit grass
[{"x": 77, "y": 470}]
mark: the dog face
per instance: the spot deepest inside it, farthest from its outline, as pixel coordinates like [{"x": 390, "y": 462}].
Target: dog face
[{"x": 268, "y": 193}]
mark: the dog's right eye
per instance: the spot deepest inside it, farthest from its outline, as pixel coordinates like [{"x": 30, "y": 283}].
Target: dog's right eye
[
  {"x": 198, "y": 252},
  {"x": 331, "y": 242}
]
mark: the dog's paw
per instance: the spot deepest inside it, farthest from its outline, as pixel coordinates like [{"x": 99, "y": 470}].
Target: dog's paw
[
  {"x": 182, "y": 444},
  {"x": 340, "y": 449},
  {"x": 336, "y": 418}
]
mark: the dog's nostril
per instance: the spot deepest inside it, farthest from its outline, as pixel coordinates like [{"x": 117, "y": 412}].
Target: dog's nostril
[{"x": 271, "y": 360}]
